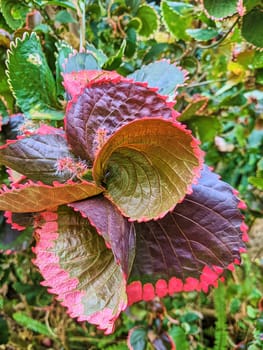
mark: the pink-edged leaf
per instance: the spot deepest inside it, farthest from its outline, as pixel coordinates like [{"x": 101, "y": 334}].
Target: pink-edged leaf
[
  {"x": 35, "y": 197},
  {"x": 38, "y": 157},
  {"x": 119, "y": 234},
  {"x": 76, "y": 82},
  {"x": 15, "y": 232},
  {"x": 79, "y": 268},
  {"x": 148, "y": 166},
  {"x": 190, "y": 248},
  {"x": 163, "y": 75},
  {"x": 104, "y": 107}
]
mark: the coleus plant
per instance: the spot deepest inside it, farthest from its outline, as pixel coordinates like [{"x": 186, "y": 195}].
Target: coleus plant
[{"x": 124, "y": 209}]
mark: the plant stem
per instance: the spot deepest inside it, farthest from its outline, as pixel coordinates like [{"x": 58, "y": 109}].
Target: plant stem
[{"x": 221, "y": 39}]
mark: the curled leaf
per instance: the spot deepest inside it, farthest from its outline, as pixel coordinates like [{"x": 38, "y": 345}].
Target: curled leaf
[{"x": 147, "y": 167}]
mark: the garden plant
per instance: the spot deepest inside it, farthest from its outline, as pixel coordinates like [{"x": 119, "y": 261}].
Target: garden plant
[{"x": 131, "y": 154}]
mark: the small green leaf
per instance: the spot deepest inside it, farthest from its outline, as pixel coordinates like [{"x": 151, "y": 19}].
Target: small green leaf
[
  {"x": 64, "y": 50},
  {"x": 115, "y": 61},
  {"x": 30, "y": 77},
  {"x": 64, "y": 16},
  {"x": 137, "y": 338},
  {"x": 220, "y": 8},
  {"x": 149, "y": 20},
  {"x": 4, "y": 334},
  {"x": 195, "y": 106},
  {"x": 179, "y": 337},
  {"x": 99, "y": 54},
  {"x": 205, "y": 128},
  {"x": 63, "y": 3},
  {"x": 14, "y": 13},
  {"x": 202, "y": 34},
  {"x": 29, "y": 323},
  {"x": 162, "y": 75},
  {"x": 175, "y": 22},
  {"x": 256, "y": 181},
  {"x": 252, "y": 27}
]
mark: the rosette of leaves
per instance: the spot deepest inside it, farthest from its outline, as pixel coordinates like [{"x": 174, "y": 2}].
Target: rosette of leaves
[{"x": 124, "y": 209}]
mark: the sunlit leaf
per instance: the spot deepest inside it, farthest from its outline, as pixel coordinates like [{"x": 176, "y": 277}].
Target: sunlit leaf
[
  {"x": 147, "y": 167},
  {"x": 79, "y": 268},
  {"x": 105, "y": 107},
  {"x": 118, "y": 233},
  {"x": 149, "y": 20},
  {"x": 190, "y": 247},
  {"x": 34, "y": 197},
  {"x": 30, "y": 77},
  {"x": 162, "y": 75}
]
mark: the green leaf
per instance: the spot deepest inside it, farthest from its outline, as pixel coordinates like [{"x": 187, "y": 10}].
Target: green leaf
[
  {"x": 202, "y": 34},
  {"x": 14, "y": 13},
  {"x": 195, "y": 106},
  {"x": 4, "y": 334},
  {"x": 29, "y": 323},
  {"x": 64, "y": 50},
  {"x": 162, "y": 75},
  {"x": 149, "y": 20},
  {"x": 30, "y": 78},
  {"x": 79, "y": 268},
  {"x": 175, "y": 22},
  {"x": 63, "y": 3},
  {"x": 64, "y": 16},
  {"x": 220, "y": 8},
  {"x": 144, "y": 176},
  {"x": 34, "y": 197},
  {"x": 252, "y": 27},
  {"x": 205, "y": 128},
  {"x": 256, "y": 181},
  {"x": 115, "y": 61},
  {"x": 137, "y": 338},
  {"x": 99, "y": 54},
  {"x": 179, "y": 337}
]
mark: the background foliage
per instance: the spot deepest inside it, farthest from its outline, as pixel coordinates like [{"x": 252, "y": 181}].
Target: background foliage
[{"x": 220, "y": 47}]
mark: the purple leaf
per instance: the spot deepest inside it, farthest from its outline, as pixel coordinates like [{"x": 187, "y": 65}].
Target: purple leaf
[
  {"x": 118, "y": 233},
  {"x": 105, "y": 107},
  {"x": 38, "y": 157},
  {"x": 79, "y": 268},
  {"x": 191, "y": 247}
]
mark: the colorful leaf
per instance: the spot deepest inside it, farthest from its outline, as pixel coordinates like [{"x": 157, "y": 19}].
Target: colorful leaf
[
  {"x": 78, "y": 267},
  {"x": 105, "y": 107},
  {"x": 12, "y": 128},
  {"x": 40, "y": 157},
  {"x": 137, "y": 338},
  {"x": 148, "y": 166},
  {"x": 34, "y": 197},
  {"x": 76, "y": 82},
  {"x": 30, "y": 77},
  {"x": 252, "y": 27},
  {"x": 162, "y": 75},
  {"x": 118, "y": 233},
  {"x": 190, "y": 248}
]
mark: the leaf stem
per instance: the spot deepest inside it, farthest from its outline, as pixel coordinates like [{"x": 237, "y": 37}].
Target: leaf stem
[{"x": 221, "y": 39}]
